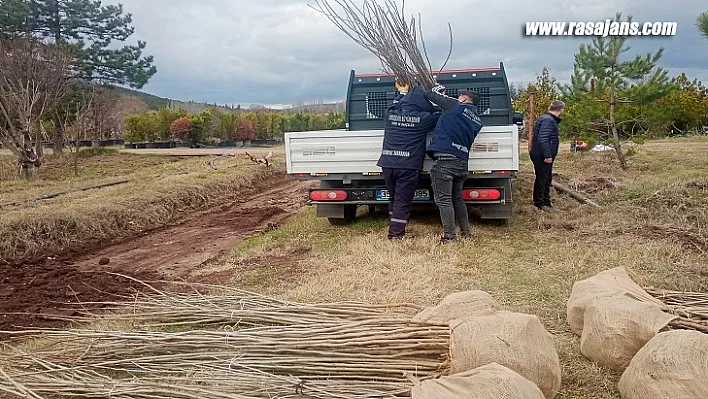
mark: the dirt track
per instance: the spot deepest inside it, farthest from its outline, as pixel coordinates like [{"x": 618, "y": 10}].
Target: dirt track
[{"x": 170, "y": 253}]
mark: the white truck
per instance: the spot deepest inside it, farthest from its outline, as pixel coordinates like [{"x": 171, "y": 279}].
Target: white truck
[{"x": 344, "y": 161}]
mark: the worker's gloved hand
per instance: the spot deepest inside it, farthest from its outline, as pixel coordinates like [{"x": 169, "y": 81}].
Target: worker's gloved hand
[
  {"x": 439, "y": 89},
  {"x": 402, "y": 88}
]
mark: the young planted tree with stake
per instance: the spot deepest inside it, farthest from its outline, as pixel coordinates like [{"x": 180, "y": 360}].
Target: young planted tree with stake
[
  {"x": 635, "y": 81},
  {"x": 32, "y": 80},
  {"x": 90, "y": 30}
]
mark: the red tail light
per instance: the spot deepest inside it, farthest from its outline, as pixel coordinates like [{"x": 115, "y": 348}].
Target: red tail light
[
  {"x": 481, "y": 195},
  {"x": 503, "y": 172},
  {"x": 328, "y": 195}
]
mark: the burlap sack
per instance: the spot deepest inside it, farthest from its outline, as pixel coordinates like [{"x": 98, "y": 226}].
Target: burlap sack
[
  {"x": 492, "y": 381},
  {"x": 610, "y": 283},
  {"x": 460, "y": 305},
  {"x": 514, "y": 340},
  {"x": 672, "y": 365},
  {"x": 617, "y": 327}
]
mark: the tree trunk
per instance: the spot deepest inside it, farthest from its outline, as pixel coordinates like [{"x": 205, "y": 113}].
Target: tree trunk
[
  {"x": 58, "y": 135},
  {"x": 28, "y": 171},
  {"x": 532, "y": 117},
  {"x": 76, "y": 162},
  {"x": 58, "y": 123},
  {"x": 615, "y": 133}
]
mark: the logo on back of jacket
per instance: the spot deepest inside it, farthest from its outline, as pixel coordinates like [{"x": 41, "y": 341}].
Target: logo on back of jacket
[
  {"x": 472, "y": 115},
  {"x": 469, "y": 114},
  {"x": 404, "y": 121}
]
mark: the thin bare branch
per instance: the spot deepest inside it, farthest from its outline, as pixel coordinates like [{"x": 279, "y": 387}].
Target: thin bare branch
[
  {"x": 450, "y": 48},
  {"x": 385, "y": 32}
]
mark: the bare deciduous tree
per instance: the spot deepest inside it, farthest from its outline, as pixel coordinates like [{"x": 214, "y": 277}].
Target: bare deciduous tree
[
  {"x": 78, "y": 121},
  {"x": 33, "y": 77},
  {"x": 124, "y": 106},
  {"x": 108, "y": 110}
]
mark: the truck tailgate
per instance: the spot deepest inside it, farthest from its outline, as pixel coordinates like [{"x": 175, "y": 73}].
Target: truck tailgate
[{"x": 357, "y": 152}]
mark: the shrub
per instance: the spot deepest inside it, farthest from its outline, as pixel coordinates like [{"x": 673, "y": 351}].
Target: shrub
[
  {"x": 181, "y": 128},
  {"x": 133, "y": 131},
  {"x": 141, "y": 127},
  {"x": 245, "y": 130},
  {"x": 200, "y": 125},
  {"x": 165, "y": 118}
]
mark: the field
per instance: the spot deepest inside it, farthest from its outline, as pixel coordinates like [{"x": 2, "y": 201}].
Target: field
[
  {"x": 169, "y": 214},
  {"x": 245, "y": 225}
]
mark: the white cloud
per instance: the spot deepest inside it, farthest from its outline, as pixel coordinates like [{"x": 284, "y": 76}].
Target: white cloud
[{"x": 279, "y": 51}]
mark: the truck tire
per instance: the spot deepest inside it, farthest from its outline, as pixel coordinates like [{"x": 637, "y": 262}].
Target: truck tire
[
  {"x": 349, "y": 216},
  {"x": 496, "y": 222}
]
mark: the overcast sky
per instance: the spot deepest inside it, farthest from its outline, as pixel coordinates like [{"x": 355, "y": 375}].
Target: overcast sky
[{"x": 282, "y": 51}]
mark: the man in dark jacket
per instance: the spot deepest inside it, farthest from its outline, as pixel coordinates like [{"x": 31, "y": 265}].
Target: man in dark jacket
[
  {"x": 544, "y": 150},
  {"x": 454, "y": 135},
  {"x": 408, "y": 121}
]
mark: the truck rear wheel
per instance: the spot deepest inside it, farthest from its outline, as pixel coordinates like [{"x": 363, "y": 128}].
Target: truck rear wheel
[
  {"x": 497, "y": 222},
  {"x": 349, "y": 216}
]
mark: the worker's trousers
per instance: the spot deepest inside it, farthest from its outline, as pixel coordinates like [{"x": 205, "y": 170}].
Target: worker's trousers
[
  {"x": 448, "y": 176},
  {"x": 401, "y": 190},
  {"x": 542, "y": 184}
]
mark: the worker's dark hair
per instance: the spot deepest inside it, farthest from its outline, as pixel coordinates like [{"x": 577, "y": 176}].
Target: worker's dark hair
[
  {"x": 472, "y": 95},
  {"x": 556, "y": 106}
]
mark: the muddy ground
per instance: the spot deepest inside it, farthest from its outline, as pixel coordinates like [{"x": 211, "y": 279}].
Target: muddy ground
[{"x": 33, "y": 294}]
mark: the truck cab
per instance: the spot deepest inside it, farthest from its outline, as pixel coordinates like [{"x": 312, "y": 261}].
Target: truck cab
[{"x": 344, "y": 161}]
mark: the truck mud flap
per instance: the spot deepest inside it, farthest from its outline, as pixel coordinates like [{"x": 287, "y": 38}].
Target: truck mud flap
[{"x": 493, "y": 211}]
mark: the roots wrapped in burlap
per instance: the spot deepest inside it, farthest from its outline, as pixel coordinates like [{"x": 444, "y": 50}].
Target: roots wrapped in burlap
[
  {"x": 514, "y": 340},
  {"x": 459, "y": 306},
  {"x": 610, "y": 283},
  {"x": 672, "y": 365},
  {"x": 492, "y": 381},
  {"x": 617, "y": 327}
]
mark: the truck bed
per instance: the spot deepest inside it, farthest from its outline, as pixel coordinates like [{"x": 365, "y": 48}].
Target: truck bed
[{"x": 334, "y": 152}]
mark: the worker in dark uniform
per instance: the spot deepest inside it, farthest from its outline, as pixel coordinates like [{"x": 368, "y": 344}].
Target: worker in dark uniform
[
  {"x": 454, "y": 135},
  {"x": 408, "y": 121},
  {"x": 544, "y": 150}
]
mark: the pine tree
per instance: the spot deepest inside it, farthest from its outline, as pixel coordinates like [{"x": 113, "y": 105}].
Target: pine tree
[
  {"x": 89, "y": 29},
  {"x": 702, "y": 23},
  {"x": 639, "y": 80}
]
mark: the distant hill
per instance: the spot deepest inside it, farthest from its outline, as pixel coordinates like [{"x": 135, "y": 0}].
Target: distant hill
[
  {"x": 321, "y": 108},
  {"x": 153, "y": 102}
]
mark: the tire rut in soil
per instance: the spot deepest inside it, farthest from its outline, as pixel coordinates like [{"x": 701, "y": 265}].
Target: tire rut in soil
[{"x": 30, "y": 291}]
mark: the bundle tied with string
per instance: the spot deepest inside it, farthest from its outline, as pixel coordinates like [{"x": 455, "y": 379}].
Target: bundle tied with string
[
  {"x": 384, "y": 31},
  {"x": 673, "y": 364},
  {"x": 491, "y": 381},
  {"x": 229, "y": 344},
  {"x": 483, "y": 333},
  {"x": 615, "y": 317}
]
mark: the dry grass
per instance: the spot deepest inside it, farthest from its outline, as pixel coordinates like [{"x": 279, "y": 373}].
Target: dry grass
[
  {"x": 160, "y": 189},
  {"x": 530, "y": 266}
]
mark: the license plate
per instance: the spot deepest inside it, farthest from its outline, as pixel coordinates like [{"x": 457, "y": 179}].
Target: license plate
[{"x": 420, "y": 195}]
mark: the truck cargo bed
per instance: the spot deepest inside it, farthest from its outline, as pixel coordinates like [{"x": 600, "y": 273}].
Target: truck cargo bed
[{"x": 356, "y": 152}]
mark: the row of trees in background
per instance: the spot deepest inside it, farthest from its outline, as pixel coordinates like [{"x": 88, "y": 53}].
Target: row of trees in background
[
  {"x": 614, "y": 99},
  {"x": 215, "y": 125},
  {"x": 57, "y": 58}
]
